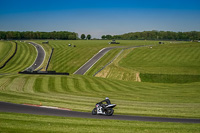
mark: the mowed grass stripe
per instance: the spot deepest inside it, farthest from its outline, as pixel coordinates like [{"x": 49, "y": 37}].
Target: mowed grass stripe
[
  {"x": 38, "y": 84},
  {"x": 91, "y": 85},
  {"x": 170, "y": 58},
  {"x": 45, "y": 84},
  {"x": 64, "y": 84},
  {"x": 173, "y": 55},
  {"x": 58, "y": 57},
  {"x": 4, "y": 82},
  {"x": 103, "y": 87},
  {"x": 9, "y": 83},
  {"x": 88, "y": 86},
  {"x": 108, "y": 85},
  {"x": 113, "y": 86},
  {"x": 60, "y": 53},
  {"x": 70, "y": 84},
  {"x": 59, "y": 61},
  {"x": 24, "y": 57},
  {"x": 139, "y": 96},
  {"x": 16, "y": 85},
  {"x": 7, "y": 49},
  {"x": 122, "y": 86},
  {"x": 76, "y": 59},
  {"x": 82, "y": 86},
  {"x": 192, "y": 56},
  {"x": 51, "y": 84},
  {"x": 78, "y": 84},
  {"x": 28, "y": 87},
  {"x": 22, "y": 51},
  {"x": 13, "y": 63},
  {"x": 66, "y": 64},
  {"x": 58, "y": 85},
  {"x": 60, "y": 45},
  {"x": 13, "y": 122}
]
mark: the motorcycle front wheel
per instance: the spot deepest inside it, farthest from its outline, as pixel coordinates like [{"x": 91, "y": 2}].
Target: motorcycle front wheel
[
  {"x": 109, "y": 112},
  {"x": 94, "y": 111}
]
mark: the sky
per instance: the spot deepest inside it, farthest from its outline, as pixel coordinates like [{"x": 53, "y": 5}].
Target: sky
[{"x": 100, "y": 17}]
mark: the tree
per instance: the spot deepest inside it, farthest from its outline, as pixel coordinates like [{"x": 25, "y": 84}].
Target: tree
[
  {"x": 72, "y": 37},
  {"x": 83, "y": 36},
  {"x": 109, "y": 37},
  {"x": 2, "y": 35},
  {"x": 103, "y": 37},
  {"x": 89, "y": 37}
]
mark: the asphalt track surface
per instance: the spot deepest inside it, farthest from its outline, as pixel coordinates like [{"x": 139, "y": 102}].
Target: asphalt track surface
[
  {"x": 83, "y": 69},
  {"x": 19, "y": 108},
  {"x": 40, "y": 56}
]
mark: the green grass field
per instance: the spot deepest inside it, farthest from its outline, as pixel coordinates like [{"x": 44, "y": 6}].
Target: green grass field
[
  {"x": 165, "y": 59},
  {"x": 6, "y": 49},
  {"x": 25, "y": 56},
  {"x": 80, "y": 93},
  {"x": 69, "y": 59},
  {"x": 11, "y": 122},
  {"x": 171, "y": 63}
]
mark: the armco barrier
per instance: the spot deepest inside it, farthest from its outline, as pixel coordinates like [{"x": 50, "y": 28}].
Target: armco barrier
[
  {"x": 10, "y": 57},
  {"x": 49, "y": 59},
  {"x": 44, "y": 73}
]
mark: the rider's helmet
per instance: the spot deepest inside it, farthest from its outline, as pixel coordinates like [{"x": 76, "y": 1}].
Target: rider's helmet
[{"x": 107, "y": 98}]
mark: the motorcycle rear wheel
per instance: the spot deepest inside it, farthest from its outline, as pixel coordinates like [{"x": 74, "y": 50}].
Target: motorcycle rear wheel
[
  {"x": 109, "y": 112},
  {"x": 94, "y": 111}
]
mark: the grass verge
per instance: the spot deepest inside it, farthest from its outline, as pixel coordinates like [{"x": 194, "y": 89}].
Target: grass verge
[
  {"x": 6, "y": 49},
  {"x": 167, "y": 78},
  {"x": 80, "y": 93},
  {"x": 23, "y": 58},
  {"x": 12, "y": 122}
]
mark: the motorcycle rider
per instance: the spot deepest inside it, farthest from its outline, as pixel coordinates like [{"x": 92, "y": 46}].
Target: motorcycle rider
[{"x": 103, "y": 105}]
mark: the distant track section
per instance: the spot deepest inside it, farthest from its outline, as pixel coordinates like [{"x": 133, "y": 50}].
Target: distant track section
[
  {"x": 19, "y": 108},
  {"x": 40, "y": 56},
  {"x": 83, "y": 69}
]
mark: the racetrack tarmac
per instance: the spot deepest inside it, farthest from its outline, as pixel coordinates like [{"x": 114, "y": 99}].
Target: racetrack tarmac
[
  {"x": 19, "y": 108},
  {"x": 83, "y": 69},
  {"x": 40, "y": 56}
]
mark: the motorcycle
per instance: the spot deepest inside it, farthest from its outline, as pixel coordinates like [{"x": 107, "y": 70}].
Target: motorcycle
[{"x": 98, "y": 110}]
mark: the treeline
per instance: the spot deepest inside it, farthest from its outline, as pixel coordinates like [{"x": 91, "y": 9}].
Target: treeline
[
  {"x": 65, "y": 35},
  {"x": 156, "y": 35}
]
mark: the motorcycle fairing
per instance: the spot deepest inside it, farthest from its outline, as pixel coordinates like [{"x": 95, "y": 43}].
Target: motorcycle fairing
[
  {"x": 99, "y": 110},
  {"x": 111, "y": 106}
]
